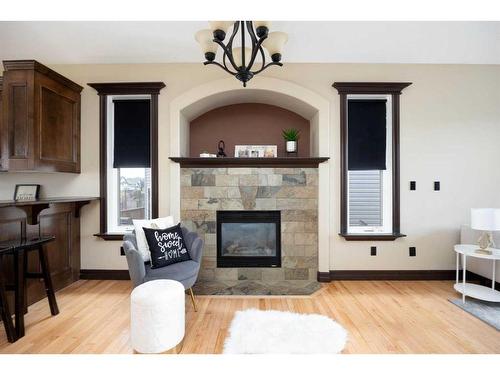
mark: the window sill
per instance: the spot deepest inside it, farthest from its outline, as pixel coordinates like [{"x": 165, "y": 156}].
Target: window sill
[
  {"x": 371, "y": 236},
  {"x": 110, "y": 236}
]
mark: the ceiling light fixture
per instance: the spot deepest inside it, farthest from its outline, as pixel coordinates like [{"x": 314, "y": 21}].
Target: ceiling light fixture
[{"x": 242, "y": 62}]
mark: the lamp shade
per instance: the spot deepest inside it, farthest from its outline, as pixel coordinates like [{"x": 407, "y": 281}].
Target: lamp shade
[
  {"x": 238, "y": 59},
  {"x": 487, "y": 219},
  {"x": 262, "y": 24},
  {"x": 220, "y": 25},
  {"x": 205, "y": 39},
  {"x": 275, "y": 42}
]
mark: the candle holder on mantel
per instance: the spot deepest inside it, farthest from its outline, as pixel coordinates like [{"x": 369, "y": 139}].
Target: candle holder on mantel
[
  {"x": 291, "y": 137},
  {"x": 221, "y": 146}
]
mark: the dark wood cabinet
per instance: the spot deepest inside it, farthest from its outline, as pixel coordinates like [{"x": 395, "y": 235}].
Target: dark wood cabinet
[{"x": 40, "y": 119}]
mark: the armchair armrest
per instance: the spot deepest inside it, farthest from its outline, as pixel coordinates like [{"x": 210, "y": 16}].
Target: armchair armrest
[
  {"x": 196, "y": 250},
  {"x": 194, "y": 244},
  {"x": 136, "y": 267}
]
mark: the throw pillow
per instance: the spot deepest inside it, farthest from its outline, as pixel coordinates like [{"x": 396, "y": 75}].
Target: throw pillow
[
  {"x": 167, "y": 246},
  {"x": 142, "y": 244}
]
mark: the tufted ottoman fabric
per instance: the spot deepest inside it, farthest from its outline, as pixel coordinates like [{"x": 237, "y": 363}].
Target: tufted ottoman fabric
[{"x": 157, "y": 317}]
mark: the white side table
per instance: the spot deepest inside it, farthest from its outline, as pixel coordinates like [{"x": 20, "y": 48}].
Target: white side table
[{"x": 474, "y": 290}]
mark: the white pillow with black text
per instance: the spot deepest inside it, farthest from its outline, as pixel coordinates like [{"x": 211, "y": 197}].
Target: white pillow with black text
[{"x": 142, "y": 244}]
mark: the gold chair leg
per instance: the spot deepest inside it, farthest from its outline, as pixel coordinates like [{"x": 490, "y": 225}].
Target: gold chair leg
[{"x": 192, "y": 299}]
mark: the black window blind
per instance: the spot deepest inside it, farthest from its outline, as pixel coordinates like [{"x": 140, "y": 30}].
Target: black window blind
[
  {"x": 366, "y": 134},
  {"x": 132, "y": 144}
]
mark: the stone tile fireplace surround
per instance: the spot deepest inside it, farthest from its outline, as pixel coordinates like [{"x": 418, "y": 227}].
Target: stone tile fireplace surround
[{"x": 292, "y": 191}]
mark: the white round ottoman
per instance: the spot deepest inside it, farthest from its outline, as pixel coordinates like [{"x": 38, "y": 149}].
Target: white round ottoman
[{"x": 157, "y": 316}]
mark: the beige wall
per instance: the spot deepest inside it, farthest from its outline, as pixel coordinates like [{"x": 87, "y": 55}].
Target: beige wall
[{"x": 450, "y": 131}]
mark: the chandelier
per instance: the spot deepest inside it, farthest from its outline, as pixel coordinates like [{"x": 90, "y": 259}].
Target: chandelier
[{"x": 243, "y": 61}]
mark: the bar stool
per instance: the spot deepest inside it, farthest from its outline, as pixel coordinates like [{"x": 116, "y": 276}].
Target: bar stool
[
  {"x": 5, "y": 313},
  {"x": 20, "y": 249}
]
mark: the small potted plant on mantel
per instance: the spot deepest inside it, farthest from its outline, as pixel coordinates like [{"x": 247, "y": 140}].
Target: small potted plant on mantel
[{"x": 291, "y": 137}]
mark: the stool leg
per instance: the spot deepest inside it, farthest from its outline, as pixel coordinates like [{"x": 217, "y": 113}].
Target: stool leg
[
  {"x": 5, "y": 311},
  {"x": 25, "y": 271},
  {"x": 49, "y": 289},
  {"x": 19, "y": 291}
]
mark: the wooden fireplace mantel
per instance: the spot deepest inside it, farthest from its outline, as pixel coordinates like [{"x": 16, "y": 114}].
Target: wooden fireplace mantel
[{"x": 287, "y": 162}]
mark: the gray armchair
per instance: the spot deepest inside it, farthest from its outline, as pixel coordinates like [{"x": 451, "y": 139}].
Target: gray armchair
[{"x": 184, "y": 272}]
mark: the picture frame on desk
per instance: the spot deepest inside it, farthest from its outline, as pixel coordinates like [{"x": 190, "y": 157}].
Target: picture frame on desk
[{"x": 26, "y": 192}]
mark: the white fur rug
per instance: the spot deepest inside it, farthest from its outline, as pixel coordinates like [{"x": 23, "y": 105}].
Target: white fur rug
[{"x": 278, "y": 332}]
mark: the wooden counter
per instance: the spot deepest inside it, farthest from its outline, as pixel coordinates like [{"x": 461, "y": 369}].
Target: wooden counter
[{"x": 57, "y": 216}]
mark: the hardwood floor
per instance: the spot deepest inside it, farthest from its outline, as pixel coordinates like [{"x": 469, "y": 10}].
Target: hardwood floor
[{"x": 381, "y": 317}]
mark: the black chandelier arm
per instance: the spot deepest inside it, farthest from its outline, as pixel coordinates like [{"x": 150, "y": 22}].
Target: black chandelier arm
[
  {"x": 224, "y": 60},
  {"x": 267, "y": 66},
  {"x": 256, "y": 48},
  {"x": 251, "y": 32},
  {"x": 229, "y": 47},
  {"x": 220, "y": 66},
  {"x": 262, "y": 67},
  {"x": 236, "y": 27},
  {"x": 255, "y": 43},
  {"x": 227, "y": 52},
  {"x": 254, "y": 39}
]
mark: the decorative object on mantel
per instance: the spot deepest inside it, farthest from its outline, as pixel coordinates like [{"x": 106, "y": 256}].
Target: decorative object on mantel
[
  {"x": 291, "y": 137},
  {"x": 281, "y": 332},
  {"x": 26, "y": 193},
  {"x": 255, "y": 151},
  {"x": 205, "y": 154},
  {"x": 221, "y": 146},
  {"x": 486, "y": 220},
  {"x": 242, "y": 60}
]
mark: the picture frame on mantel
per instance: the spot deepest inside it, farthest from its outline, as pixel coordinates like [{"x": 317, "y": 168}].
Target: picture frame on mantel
[
  {"x": 255, "y": 151},
  {"x": 26, "y": 192}
]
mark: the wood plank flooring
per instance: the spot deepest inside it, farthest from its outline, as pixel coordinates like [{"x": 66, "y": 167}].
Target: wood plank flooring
[{"x": 381, "y": 317}]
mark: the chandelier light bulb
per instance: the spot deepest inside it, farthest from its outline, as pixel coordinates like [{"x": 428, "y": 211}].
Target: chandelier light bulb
[
  {"x": 261, "y": 27},
  {"x": 208, "y": 46},
  {"x": 219, "y": 28},
  {"x": 274, "y": 44},
  {"x": 238, "y": 57}
]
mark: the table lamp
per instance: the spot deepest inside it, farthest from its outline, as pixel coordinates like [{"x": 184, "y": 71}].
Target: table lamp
[{"x": 486, "y": 220}]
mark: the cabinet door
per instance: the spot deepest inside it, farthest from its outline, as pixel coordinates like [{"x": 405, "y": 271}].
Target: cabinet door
[
  {"x": 57, "y": 127},
  {"x": 3, "y": 164},
  {"x": 17, "y": 121}
]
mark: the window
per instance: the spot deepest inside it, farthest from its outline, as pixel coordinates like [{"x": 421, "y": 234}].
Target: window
[
  {"x": 369, "y": 164},
  {"x": 369, "y": 121},
  {"x": 128, "y": 155}
]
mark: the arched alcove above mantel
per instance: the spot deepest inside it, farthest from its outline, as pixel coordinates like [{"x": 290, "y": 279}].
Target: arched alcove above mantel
[
  {"x": 246, "y": 124},
  {"x": 268, "y": 91}
]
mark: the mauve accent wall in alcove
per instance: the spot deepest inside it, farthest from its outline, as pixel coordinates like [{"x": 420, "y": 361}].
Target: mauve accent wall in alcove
[{"x": 246, "y": 124}]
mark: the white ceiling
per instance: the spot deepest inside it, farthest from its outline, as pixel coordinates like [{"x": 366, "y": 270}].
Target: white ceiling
[{"x": 309, "y": 41}]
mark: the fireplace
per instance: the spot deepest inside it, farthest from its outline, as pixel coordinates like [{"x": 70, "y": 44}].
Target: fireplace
[{"x": 248, "y": 239}]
